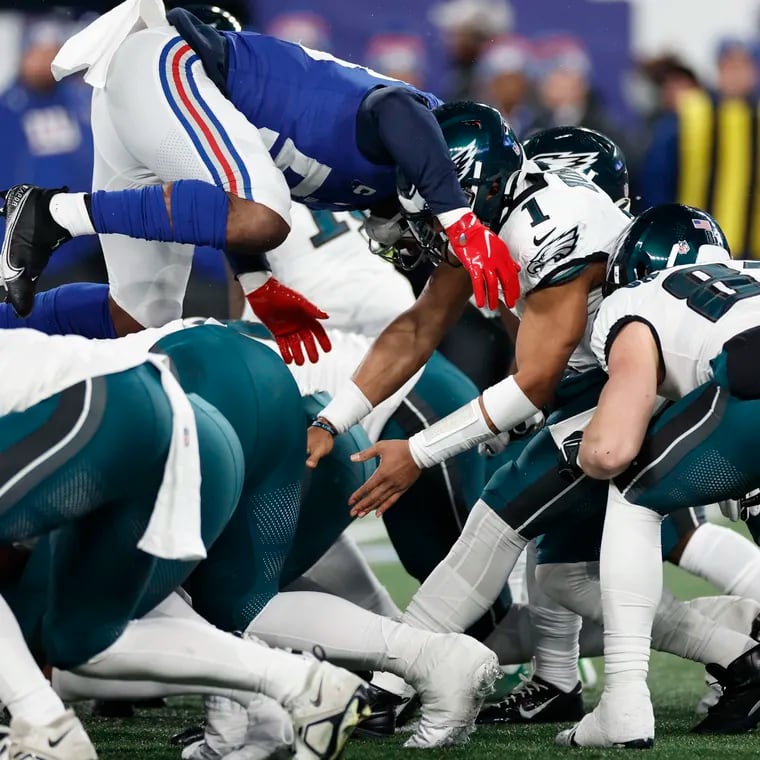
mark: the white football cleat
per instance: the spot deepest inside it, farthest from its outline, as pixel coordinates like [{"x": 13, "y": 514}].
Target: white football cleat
[
  {"x": 614, "y": 722},
  {"x": 263, "y": 731},
  {"x": 325, "y": 713},
  {"x": 452, "y": 675},
  {"x": 63, "y": 739}
]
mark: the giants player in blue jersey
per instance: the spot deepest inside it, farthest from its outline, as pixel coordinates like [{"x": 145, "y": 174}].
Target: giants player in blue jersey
[{"x": 203, "y": 137}]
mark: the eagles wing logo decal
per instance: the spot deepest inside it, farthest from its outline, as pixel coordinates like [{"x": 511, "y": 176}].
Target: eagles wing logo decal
[
  {"x": 464, "y": 158},
  {"x": 582, "y": 162},
  {"x": 555, "y": 250}
]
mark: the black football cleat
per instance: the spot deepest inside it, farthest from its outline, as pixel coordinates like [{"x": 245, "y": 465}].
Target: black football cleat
[
  {"x": 189, "y": 736},
  {"x": 738, "y": 709},
  {"x": 31, "y": 236},
  {"x": 535, "y": 701},
  {"x": 381, "y": 722}
]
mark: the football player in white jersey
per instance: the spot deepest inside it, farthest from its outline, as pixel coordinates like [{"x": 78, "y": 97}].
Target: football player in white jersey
[
  {"x": 558, "y": 226},
  {"x": 688, "y": 333}
]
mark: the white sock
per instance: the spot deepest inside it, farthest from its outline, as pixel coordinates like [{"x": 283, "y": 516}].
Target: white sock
[
  {"x": 556, "y": 630},
  {"x": 344, "y": 571},
  {"x": 350, "y": 636},
  {"x": 23, "y": 689},
  {"x": 518, "y": 581},
  {"x": 683, "y": 630},
  {"x": 733, "y": 612},
  {"x": 469, "y": 579},
  {"x": 724, "y": 558},
  {"x": 70, "y": 211},
  {"x": 72, "y": 687},
  {"x": 631, "y": 587},
  {"x": 680, "y": 628},
  {"x": 188, "y": 652}
]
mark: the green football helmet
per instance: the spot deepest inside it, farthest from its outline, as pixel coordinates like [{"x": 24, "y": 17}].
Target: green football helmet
[
  {"x": 485, "y": 152},
  {"x": 663, "y": 236},
  {"x": 586, "y": 151}
]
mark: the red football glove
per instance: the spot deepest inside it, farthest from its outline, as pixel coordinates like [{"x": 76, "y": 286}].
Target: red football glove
[
  {"x": 291, "y": 319},
  {"x": 486, "y": 258}
]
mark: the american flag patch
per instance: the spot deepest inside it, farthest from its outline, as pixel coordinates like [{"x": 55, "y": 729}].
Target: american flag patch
[{"x": 701, "y": 224}]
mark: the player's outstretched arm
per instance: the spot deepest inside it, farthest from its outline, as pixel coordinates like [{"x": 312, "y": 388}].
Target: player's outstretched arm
[
  {"x": 616, "y": 431},
  {"x": 399, "y": 351},
  {"x": 553, "y": 324}
]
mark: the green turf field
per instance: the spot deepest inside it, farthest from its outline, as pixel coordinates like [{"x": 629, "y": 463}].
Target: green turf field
[{"x": 676, "y": 687}]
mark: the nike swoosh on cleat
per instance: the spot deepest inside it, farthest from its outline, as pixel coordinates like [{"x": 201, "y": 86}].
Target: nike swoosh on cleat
[
  {"x": 539, "y": 241},
  {"x": 754, "y": 708},
  {"x": 528, "y": 714},
  {"x": 55, "y": 743},
  {"x": 6, "y": 256}
]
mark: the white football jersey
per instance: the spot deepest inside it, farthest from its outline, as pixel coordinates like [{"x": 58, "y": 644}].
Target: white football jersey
[
  {"x": 693, "y": 310},
  {"x": 556, "y": 222},
  {"x": 327, "y": 259}
]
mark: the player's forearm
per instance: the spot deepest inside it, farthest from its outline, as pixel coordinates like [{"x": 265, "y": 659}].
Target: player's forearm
[
  {"x": 500, "y": 408},
  {"x": 614, "y": 436},
  {"x": 400, "y": 350}
]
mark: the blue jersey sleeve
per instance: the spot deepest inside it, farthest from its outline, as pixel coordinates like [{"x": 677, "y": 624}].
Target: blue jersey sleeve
[{"x": 396, "y": 126}]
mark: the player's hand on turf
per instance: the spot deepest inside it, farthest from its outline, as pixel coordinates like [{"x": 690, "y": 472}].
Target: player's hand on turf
[
  {"x": 486, "y": 258},
  {"x": 319, "y": 443},
  {"x": 292, "y": 319},
  {"x": 394, "y": 475}
]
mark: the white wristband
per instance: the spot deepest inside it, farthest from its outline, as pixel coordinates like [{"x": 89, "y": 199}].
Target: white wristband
[
  {"x": 507, "y": 405},
  {"x": 250, "y": 281},
  {"x": 349, "y": 406},
  {"x": 447, "y": 218},
  {"x": 460, "y": 431}
]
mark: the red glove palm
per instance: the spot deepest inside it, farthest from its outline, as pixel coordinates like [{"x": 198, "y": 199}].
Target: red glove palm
[
  {"x": 486, "y": 258},
  {"x": 291, "y": 319}
]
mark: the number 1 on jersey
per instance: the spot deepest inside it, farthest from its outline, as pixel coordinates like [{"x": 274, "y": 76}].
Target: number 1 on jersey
[{"x": 536, "y": 215}]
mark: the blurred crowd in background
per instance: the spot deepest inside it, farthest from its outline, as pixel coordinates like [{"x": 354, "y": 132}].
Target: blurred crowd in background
[{"x": 685, "y": 139}]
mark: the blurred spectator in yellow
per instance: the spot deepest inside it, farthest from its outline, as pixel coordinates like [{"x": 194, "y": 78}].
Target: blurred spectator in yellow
[
  {"x": 502, "y": 79},
  {"x": 467, "y": 27},
  {"x": 304, "y": 27},
  {"x": 45, "y": 127},
  {"x": 400, "y": 56},
  {"x": 705, "y": 152}
]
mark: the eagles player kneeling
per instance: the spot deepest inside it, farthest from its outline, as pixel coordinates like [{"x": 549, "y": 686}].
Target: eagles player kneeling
[{"x": 689, "y": 333}]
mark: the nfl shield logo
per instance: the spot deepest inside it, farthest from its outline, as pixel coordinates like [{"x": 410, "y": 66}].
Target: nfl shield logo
[{"x": 683, "y": 246}]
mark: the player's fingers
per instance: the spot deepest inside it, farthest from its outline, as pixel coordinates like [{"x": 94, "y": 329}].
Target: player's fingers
[
  {"x": 322, "y": 337},
  {"x": 387, "y": 504},
  {"x": 369, "y": 453},
  {"x": 282, "y": 344},
  {"x": 478, "y": 286},
  {"x": 371, "y": 501},
  {"x": 492, "y": 285},
  {"x": 310, "y": 345},
  {"x": 294, "y": 343}
]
